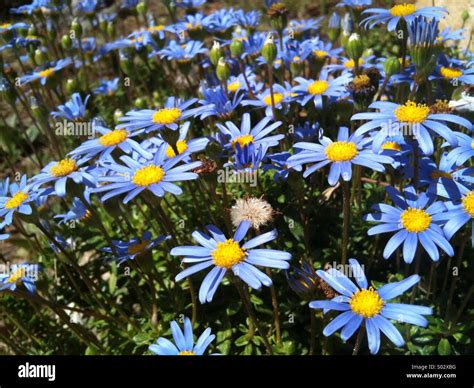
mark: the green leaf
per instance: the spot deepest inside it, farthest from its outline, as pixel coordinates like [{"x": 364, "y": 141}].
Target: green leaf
[{"x": 444, "y": 347}]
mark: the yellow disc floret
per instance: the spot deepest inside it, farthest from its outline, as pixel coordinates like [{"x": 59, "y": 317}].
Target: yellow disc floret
[
  {"x": 402, "y": 10},
  {"x": 16, "y": 200},
  {"x": 391, "y": 145},
  {"x": 320, "y": 54},
  {"x": 341, "y": 151},
  {"x": 113, "y": 138},
  {"x": 350, "y": 63},
  {"x": 148, "y": 175},
  {"x": 166, "y": 116},
  {"x": 450, "y": 72},
  {"x": 243, "y": 140},
  {"x": 367, "y": 303},
  {"x": 468, "y": 203},
  {"x": 318, "y": 87},
  {"x": 138, "y": 248},
  {"x": 181, "y": 145},
  {"x": 277, "y": 98},
  {"x": 46, "y": 72},
  {"x": 233, "y": 86},
  {"x": 17, "y": 275},
  {"x": 228, "y": 253},
  {"x": 415, "y": 220},
  {"x": 64, "y": 167},
  {"x": 187, "y": 353},
  {"x": 412, "y": 112}
]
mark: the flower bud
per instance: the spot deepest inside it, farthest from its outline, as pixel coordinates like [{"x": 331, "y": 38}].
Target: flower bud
[
  {"x": 66, "y": 42},
  {"x": 216, "y": 53},
  {"x": 111, "y": 31},
  {"x": 278, "y": 14},
  {"x": 464, "y": 15},
  {"x": 76, "y": 27},
  {"x": 354, "y": 47},
  {"x": 334, "y": 27},
  {"x": 71, "y": 85},
  {"x": 40, "y": 57},
  {"x": 7, "y": 91},
  {"x": 117, "y": 114},
  {"x": 141, "y": 8},
  {"x": 223, "y": 70},
  {"x": 269, "y": 49},
  {"x": 140, "y": 103},
  {"x": 236, "y": 48},
  {"x": 391, "y": 66}
]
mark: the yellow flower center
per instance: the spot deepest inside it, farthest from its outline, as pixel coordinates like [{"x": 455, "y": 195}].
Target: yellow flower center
[
  {"x": 16, "y": 200},
  {"x": 341, "y": 151},
  {"x": 277, "y": 98},
  {"x": 228, "y": 253},
  {"x": 468, "y": 202},
  {"x": 412, "y": 112},
  {"x": 367, "y": 303},
  {"x": 17, "y": 275},
  {"x": 321, "y": 54},
  {"x": 166, "y": 116},
  {"x": 242, "y": 140},
  {"x": 318, "y": 87},
  {"x": 296, "y": 58},
  {"x": 87, "y": 216},
  {"x": 64, "y": 167},
  {"x": 350, "y": 63},
  {"x": 436, "y": 174},
  {"x": 361, "y": 81},
  {"x": 46, "y": 73},
  {"x": 415, "y": 220},
  {"x": 187, "y": 353},
  {"x": 402, "y": 10},
  {"x": 156, "y": 28},
  {"x": 113, "y": 138},
  {"x": 450, "y": 72},
  {"x": 391, "y": 145},
  {"x": 233, "y": 86},
  {"x": 148, "y": 175},
  {"x": 5, "y": 25},
  {"x": 137, "y": 248},
  {"x": 181, "y": 145}
]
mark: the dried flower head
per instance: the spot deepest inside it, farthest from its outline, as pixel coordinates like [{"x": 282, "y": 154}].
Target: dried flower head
[{"x": 256, "y": 210}]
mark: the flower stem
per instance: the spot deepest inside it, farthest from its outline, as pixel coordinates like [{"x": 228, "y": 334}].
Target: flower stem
[{"x": 346, "y": 213}]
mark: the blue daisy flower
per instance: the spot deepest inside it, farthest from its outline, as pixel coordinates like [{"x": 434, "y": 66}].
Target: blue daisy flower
[
  {"x": 18, "y": 201},
  {"x": 406, "y": 12},
  {"x": 216, "y": 102},
  {"x": 415, "y": 219},
  {"x": 248, "y": 158},
  {"x": 341, "y": 154},
  {"x": 189, "y": 4},
  {"x": 61, "y": 171},
  {"x": 282, "y": 97},
  {"x": 309, "y": 89},
  {"x": 173, "y": 111},
  {"x": 181, "y": 52},
  {"x": 464, "y": 150},
  {"x": 155, "y": 175},
  {"x": 26, "y": 274},
  {"x": 410, "y": 118},
  {"x": 459, "y": 214},
  {"x": 322, "y": 50},
  {"x": 248, "y": 20},
  {"x": 129, "y": 250},
  {"x": 246, "y": 134},
  {"x": 357, "y": 4},
  {"x": 107, "y": 87},
  {"x": 78, "y": 212},
  {"x": 363, "y": 305},
  {"x": 47, "y": 71},
  {"x": 74, "y": 109},
  {"x": 183, "y": 342},
  {"x": 279, "y": 162},
  {"x": 225, "y": 254}
]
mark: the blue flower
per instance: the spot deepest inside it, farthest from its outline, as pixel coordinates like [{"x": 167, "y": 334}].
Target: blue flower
[
  {"x": 47, "y": 71},
  {"x": 184, "y": 342},
  {"x": 309, "y": 89},
  {"x": 60, "y": 171},
  {"x": 392, "y": 16},
  {"x": 129, "y": 250},
  {"x": 363, "y": 304},
  {"x": 189, "y": 4},
  {"x": 182, "y": 52},
  {"x": 107, "y": 87},
  {"x": 78, "y": 212},
  {"x": 155, "y": 175},
  {"x": 249, "y": 157},
  {"x": 414, "y": 218},
  {"x": 279, "y": 162},
  {"x": 87, "y": 6},
  {"x": 246, "y": 134},
  {"x": 394, "y": 119},
  {"x": 341, "y": 154},
  {"x": 282, "y": 96},
  {"x": 12, "y": 27},
  {"x": 24, "y": 273},
  {"x": 169, "y": 116},
  {"x": 358, "y": 4},
  {"x": 108, "y": 142},
  {"x": 18, "y": 201},
  {"x": 35, "y": 5},
  {"x": 249, "y": 19},
  {"x": 459, "y": 214},
  {"x": 464, "y": 150},
  {"x": 74, "y": 109},
  {"x": 227, "y": 254},
  {"x": 216, "y": 102}
]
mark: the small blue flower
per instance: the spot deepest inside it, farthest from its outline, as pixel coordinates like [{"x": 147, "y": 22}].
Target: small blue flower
[
  {"x": 184, "y": 342},
  {"x": 415, "y": 219},
  {"x": 459, "y": 214},
  {"x": 74, "y": 109},
  {"x": 363, "y": 304},
  {"x": 464, "y": 150},
  {"x": 225, "y": 254},
  {"x": 181, "y": 52},
  {"x": 18, "y": 201},
  {"x": 47, "y": 71},
  {"x": 26, "y": 274},
  {"x": 282, "y": 96},
  {"x": 189, "y": 4},
  {"x": 78, "y": 212},
  {"x": 341, "y": 154},
  {"x": 107, "y": 87},
  {"x": 216, "y": 102}
]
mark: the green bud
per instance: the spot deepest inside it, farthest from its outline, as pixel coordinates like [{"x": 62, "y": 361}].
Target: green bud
[
  {"x": 40, "y": 57},
  {"x": 296, "y": 67},
  {"x": 141, "y": 8},
  {"x": 269, "y": 50},
  {"x": 126, "y": 64},
  {"x": 215, "y": 53},
  {"x": 66, "y": 42},
  {"x": 236, "y": 48},
  {"x": 111, "y": 29},
  {"x": 117, "y": 114},
  {"x": 7, "y": 91},
  {"x": 391, "y": 66},
  {"x": 223, "y": 70},
  {"x": 71, "y": 85},
  {"x": 464, "y": 15},
  {"x": 103, "y": 25},
  {"x": 140, "y": 103},
  {"x": 76, "y": 27},
  {"x": 354, "y": 47}
]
